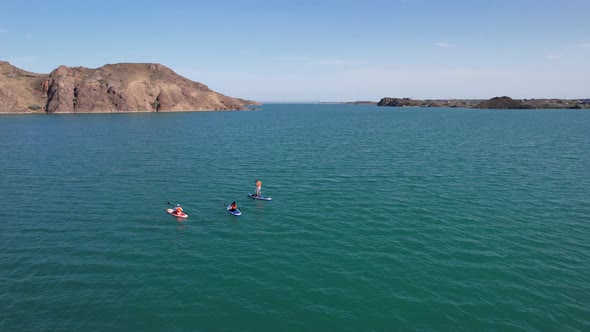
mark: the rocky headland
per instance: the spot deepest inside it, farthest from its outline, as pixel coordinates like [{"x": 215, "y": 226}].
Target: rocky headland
[
  {"x": 123, "y": 87},
  {"x": 493, "y": 103}
]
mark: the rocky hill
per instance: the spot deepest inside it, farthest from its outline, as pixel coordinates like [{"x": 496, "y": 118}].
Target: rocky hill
[
  {"x": 399, "y": 102},
  {"x": 503, "y": 103},
  {"x": 123, "y": 87}
]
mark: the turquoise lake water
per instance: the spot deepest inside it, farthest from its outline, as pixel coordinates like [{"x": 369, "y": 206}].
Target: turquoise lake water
[{"x": 382, "y": 219}]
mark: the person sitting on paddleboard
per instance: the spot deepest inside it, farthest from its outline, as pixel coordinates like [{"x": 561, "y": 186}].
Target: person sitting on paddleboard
[
  {"x": 233, "y": 207},
  {"x": 258, "y": 187},
  {"x": 179, "y": 209}
]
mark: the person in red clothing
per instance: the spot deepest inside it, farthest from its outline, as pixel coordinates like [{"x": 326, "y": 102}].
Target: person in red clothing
[
  {"x": 233, "y": 207},
  {"x": 178, "y": 209}
]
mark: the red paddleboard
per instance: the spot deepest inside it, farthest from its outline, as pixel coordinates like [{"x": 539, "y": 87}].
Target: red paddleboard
[{"x": 173, "y": 212}]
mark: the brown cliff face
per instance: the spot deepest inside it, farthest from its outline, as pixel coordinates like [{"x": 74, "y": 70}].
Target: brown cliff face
[{"x": 124, "y": 87}]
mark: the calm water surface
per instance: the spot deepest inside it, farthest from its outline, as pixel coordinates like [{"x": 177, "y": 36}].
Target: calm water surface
[{"x": 382, "y": 219}]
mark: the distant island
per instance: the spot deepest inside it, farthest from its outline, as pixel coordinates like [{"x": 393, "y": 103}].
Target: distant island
[
  {"x": 123, "y": 87},
  {"x": 494, "y": 103}
]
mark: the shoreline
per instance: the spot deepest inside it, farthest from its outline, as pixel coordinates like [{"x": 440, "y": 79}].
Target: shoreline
[
  {"x": 335, "y": 103},
  {"x": 192, "y": 111}
]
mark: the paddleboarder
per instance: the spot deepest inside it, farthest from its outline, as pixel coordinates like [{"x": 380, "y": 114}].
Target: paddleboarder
[{"x": 258, "y": 188}]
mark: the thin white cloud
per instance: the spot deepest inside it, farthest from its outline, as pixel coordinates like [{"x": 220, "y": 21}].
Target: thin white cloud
[
  {"x": 291, "y": 59},
  {"x": 555, "y": 56},
  {"x": 332, "y": 62},
  {"x": 444, "y": 45}
]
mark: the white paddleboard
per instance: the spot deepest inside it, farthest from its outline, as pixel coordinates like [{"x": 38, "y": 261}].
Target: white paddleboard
[
  {"x": 237, "y": 212},
  {"x": 262, "y": 198}
]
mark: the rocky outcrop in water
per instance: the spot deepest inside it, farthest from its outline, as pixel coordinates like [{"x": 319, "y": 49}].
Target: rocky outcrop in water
[
  {"x": 124, "y": 87},
  {"x": 494, "y": 103}
]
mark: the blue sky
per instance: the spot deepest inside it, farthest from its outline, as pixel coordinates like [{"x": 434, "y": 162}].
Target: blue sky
[{"x": 319, "y": 50}]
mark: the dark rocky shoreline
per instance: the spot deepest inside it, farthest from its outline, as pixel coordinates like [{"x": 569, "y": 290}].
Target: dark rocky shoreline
[{"x": 494, "y": 103}]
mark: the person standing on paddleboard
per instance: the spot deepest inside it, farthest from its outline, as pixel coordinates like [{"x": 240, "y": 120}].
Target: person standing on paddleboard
[{"x": 258, "y": 188}]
